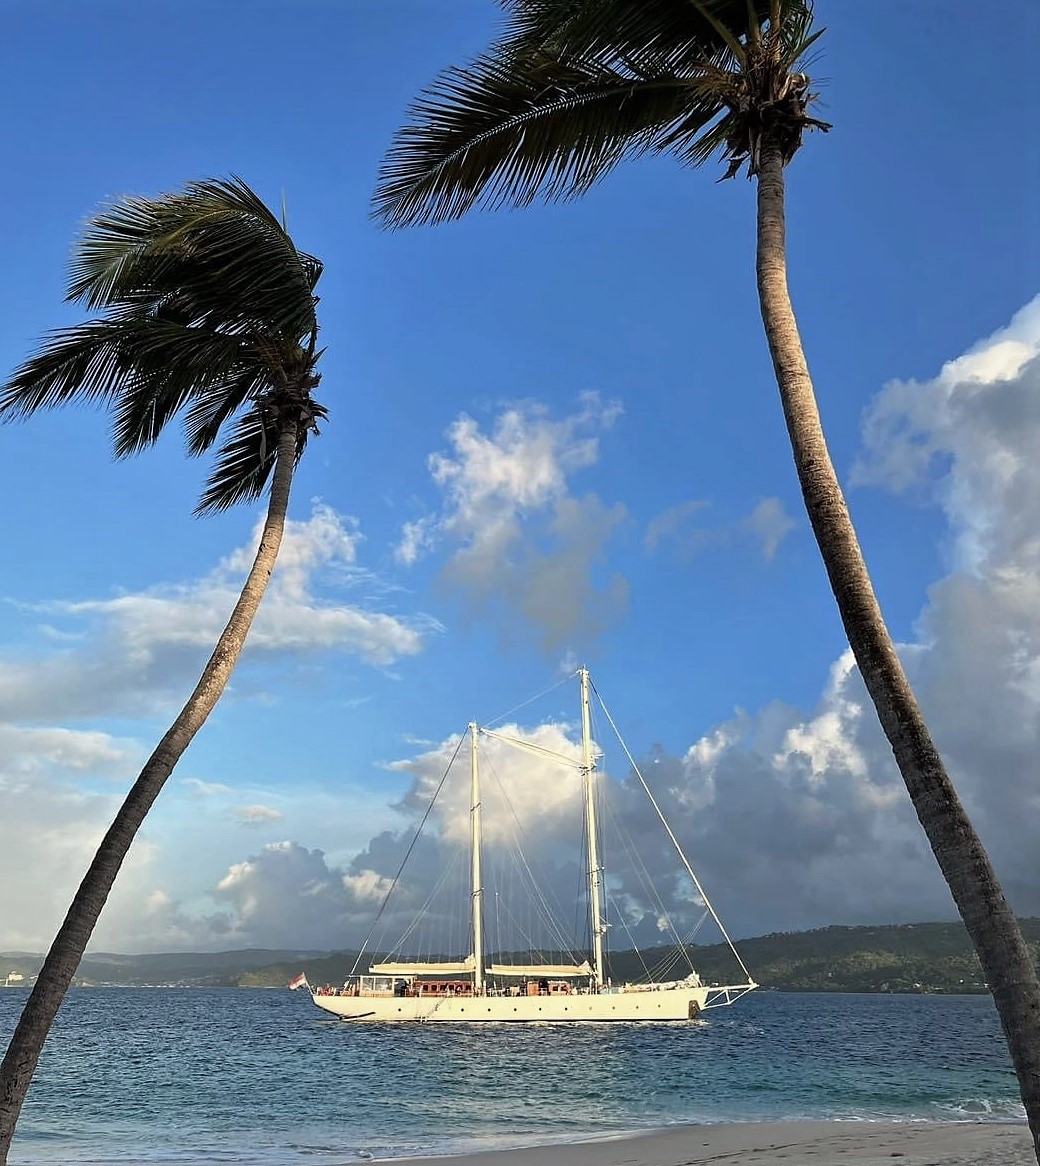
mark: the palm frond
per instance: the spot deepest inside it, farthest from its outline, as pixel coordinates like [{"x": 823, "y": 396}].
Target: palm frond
[
  {"x": 214, "y": 404},
  {"x": 171, "y": 366},
  {"x": 574, "y": 86},
  {"x": 672, "y": 33},
  {"x": 498, "y": 134},
  {"x": 244, "y": 463},
  {"x": 215, "y": 245},
  {"x": 86, "y": 362},
  {"x": 207, "y": 309}
]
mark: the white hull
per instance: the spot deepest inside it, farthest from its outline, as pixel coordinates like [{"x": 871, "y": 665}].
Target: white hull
[{"x": 672, "y": 1003}]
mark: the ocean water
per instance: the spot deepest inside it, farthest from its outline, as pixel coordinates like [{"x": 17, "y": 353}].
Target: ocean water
[{"x": 262, "y": 1078}]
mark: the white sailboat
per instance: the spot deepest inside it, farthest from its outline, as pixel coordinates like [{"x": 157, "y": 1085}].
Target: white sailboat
[{"x": 472, "y": 989}]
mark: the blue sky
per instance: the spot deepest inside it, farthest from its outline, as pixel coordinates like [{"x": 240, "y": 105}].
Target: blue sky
[{"x": 611, "y": 346}]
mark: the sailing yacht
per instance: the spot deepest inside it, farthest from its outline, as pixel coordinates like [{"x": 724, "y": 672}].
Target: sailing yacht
[{"x": 475, "y": 988}]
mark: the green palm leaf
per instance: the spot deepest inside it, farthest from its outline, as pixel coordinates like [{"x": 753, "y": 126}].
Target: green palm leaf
[
  {"x": 86, "y": 362},
  {"x": 215, "y": 248},
  {"x": 245, "y": 461},
  {"x": 494, "y": 134},
  {"x": 206, "y": 308},
  {"x": 572, "y": 87},
  {"x": 213, "y": 405},
  {"x": 669, "y": 33}
]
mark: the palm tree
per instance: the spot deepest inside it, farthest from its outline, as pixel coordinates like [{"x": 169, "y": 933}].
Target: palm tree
[
  {"x": 570, "y": 89},
  {"x": 207, "y": 309}
]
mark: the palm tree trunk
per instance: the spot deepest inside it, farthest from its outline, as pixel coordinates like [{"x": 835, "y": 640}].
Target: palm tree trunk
[
  {"x": 66, "y": 951},
  {"x": 1005, "y": 958}
]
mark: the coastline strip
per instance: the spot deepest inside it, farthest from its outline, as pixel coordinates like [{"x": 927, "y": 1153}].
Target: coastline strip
[{"x": 782, "y": 1143}]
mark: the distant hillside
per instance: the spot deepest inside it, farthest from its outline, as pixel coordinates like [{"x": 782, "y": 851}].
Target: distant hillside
[
  {"x": 914, "y": 957},
  {"x": 215, "y": 969}
]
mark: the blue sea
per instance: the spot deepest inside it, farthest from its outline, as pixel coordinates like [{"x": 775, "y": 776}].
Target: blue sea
[{"x": 262, "y": 1078}]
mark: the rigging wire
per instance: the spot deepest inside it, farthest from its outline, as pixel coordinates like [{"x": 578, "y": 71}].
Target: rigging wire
[
  {"x": 644, "y": 877},
  {"x": 671, "y": 835},
  {"x": 422, "y": 914},
  {"x": 550, "y": 917},
  {"x": 530, "y": 700},
  {"x": 408, "y": 854}
]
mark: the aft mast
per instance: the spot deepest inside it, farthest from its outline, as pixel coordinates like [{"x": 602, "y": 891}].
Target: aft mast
[
  {"x": 477, "y": 885},
  {"x": 588, "y": 772}
]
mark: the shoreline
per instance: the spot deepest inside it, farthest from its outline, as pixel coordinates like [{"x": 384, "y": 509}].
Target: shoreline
[{"x": 774, "y": 1143}]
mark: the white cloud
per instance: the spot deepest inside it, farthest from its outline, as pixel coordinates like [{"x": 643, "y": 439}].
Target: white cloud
[
  {"x": 799, "y": 819},
  {"x": 205, "y": 789},
  {"x": 793, "y": 818},
  {"x": 809, "y": 820},
  {"x": 416, "y": 538},
  {"x": 532, "y": 794},
  {"x": 910, "y": 424},
  {"x": 135, "y": 655},
  {"x": 522, "y": 543},
  {"x": 257, "y": 815},
  {"x": 367, "y": 886},
  {"x": 287, "y": 893},
  {"x": 140, "y": 652},
  {"x": 28, "y": 752},
  {"x": 770, "y": 523}
]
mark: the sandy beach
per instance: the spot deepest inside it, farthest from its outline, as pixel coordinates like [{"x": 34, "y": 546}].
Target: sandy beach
[{"x": 814, "y": 1143}]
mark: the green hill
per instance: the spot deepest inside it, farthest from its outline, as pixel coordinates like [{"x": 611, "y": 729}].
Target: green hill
[{"x": 913, "y": 957}]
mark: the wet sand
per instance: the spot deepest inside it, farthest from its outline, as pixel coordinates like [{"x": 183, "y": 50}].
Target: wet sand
[{"x": 812, "y": 1143}]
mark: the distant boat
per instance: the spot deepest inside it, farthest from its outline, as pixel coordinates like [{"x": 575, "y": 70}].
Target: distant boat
[
  {"x": 15, "y": 980},
  {"x": 472, "y": 988}
]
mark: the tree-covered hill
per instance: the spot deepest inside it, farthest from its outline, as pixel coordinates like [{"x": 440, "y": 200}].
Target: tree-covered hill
[{"x": 913, "y": 957}]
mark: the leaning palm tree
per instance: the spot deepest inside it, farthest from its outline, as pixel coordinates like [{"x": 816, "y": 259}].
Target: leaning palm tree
[
  {"x": 207, "y": 310},
  {"x": 570, "y": 89}
]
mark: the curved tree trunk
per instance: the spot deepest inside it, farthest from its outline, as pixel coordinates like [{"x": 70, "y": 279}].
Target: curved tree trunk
[
  {"x": 66, "y": 951},
  {"x": 1004, "y": 955}
]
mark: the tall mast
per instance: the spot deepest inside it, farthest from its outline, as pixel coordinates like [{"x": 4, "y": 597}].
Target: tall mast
[
  {"x": 588, "y": 770},
  {"x": 474, "y": 844}
]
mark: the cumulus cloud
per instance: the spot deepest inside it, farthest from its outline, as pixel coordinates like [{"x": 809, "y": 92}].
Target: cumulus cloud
[
  {"x": 798, "y": 818},
  {"x": 287, "y": 892},
  {"x": 134, "y": 655},
  {"x": 138, "y": 652},
  {"x": 793, "y": 817},
  {"x": 813, "y": 822},
  {"x": 520, "y": 542}
]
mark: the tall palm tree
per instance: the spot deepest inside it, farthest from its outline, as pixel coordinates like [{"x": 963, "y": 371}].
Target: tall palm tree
[
  {"x": 570, "y": 89},
  {"x": 207, "y": 310}
]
